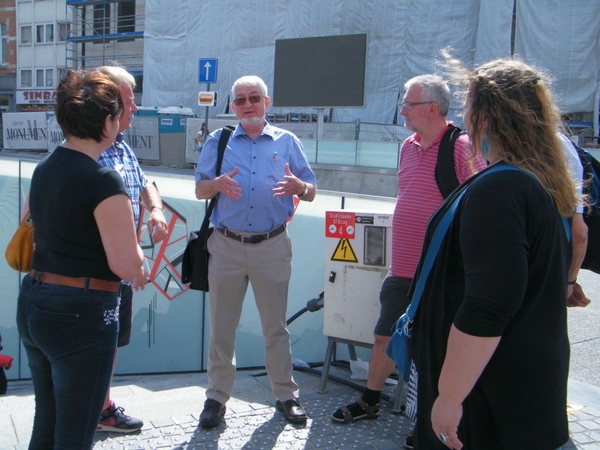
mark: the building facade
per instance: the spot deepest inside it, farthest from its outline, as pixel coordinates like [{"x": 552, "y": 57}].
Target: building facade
[
  {"x": 8, "y": 57},
  {"x": 53, "y": 35},
  {"x": 106, "y": 32},
  {"x": 43, "y": 28}
]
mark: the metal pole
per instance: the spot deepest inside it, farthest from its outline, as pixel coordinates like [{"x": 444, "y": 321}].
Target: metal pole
[
  {"x": 206, "y": 117},
  {"x": 320, "y": 120}
]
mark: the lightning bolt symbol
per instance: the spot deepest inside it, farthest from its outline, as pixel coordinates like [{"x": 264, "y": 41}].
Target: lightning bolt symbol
[{"x": 344, "y": 247}]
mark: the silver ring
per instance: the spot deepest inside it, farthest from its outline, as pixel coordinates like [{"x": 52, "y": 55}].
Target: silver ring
[{"x": 443, "y": 438}]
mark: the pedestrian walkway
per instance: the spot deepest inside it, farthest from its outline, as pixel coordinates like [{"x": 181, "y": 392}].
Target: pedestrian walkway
[{"x": 170, "y": 406}]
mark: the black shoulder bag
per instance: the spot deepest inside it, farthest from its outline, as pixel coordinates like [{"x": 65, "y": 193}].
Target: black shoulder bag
[{"x": 194, "y": 265}]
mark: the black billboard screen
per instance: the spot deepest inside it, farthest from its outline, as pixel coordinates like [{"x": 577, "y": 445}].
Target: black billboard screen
[{"x": 320, "y": 72}]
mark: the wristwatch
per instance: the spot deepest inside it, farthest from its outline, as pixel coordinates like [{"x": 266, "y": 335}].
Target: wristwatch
[{"x": 304, "y": 192}]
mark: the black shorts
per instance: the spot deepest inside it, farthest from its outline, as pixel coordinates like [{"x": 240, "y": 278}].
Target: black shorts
[
  {"x": 393, "y": 297},
  {"x": 125, "y": 315}
]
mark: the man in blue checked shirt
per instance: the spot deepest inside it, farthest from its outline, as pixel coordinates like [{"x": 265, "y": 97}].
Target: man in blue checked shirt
[
  {"x": 264, "y": 167},
  {"x": 121, "y": 158}
]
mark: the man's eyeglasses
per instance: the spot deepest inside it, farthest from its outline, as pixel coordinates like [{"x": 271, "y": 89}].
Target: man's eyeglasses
[
  {"x": 409, "y": 105},
  {"x": 241, "y": 101}
]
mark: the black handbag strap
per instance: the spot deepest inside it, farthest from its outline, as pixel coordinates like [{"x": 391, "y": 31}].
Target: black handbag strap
[{"x": 225, "y": 135}]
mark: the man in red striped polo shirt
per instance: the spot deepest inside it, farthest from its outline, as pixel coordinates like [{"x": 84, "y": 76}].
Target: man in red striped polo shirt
[{"x": 424, "y": 107}]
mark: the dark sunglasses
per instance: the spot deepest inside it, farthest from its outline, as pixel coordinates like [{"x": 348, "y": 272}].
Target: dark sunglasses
[{"x": 241, "y": 101}]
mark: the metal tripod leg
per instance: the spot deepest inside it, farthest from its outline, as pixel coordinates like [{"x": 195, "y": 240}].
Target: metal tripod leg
[
  {"x": 331, "y": 344},
  {"x": 399, "y": 396},
  {"x": 400, "y": 392}
]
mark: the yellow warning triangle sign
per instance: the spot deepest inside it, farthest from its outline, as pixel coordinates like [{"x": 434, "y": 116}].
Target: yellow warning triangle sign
[{"x": 343, "y": 252}]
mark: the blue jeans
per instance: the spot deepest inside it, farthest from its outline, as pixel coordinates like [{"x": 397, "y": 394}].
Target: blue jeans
[{"x": 70, "y": 336}]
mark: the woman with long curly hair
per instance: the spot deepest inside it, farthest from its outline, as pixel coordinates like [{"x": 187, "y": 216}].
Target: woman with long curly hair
[{"x": 490, "y": 337}]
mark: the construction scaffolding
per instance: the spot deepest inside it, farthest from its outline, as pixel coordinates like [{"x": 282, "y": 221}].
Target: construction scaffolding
[{"x": 105, "y": 31}]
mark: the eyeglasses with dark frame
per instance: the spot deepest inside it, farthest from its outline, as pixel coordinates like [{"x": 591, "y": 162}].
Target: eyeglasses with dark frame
[
  {"x": 409, "y": 105},
  {"x": 241, "y": 101}
]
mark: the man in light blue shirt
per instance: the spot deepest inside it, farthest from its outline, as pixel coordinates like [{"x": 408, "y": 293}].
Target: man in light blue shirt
[{"x": 264, "y": 167}]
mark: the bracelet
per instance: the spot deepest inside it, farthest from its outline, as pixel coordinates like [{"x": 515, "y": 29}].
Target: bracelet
[
  {"x": 157, "y": 207},
  {"x": 571, "y": 283}
]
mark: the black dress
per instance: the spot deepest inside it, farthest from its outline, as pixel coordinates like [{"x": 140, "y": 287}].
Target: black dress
[{"x": 501, "y": 271}]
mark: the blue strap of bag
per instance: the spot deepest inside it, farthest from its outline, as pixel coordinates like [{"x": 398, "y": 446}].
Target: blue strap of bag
[{"x": 438, "y": 236}]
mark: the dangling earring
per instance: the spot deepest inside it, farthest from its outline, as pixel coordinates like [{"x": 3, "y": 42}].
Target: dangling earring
[{"x": 485, "y": 147}]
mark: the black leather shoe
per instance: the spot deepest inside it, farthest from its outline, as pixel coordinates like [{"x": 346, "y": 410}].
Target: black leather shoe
[
  {"x": 212, "y": 414},
  {"x": 292, "y": 410}
]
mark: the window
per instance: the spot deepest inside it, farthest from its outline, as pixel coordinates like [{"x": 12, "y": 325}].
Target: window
[
  {"x": 39, "y": 78},
  {"x": 61, "y": 72},
  {"x": 139, "y": 84},
  {"x": 4, "y": 46},
  {"x": 44, "y": 33},
  {"x": 26, "y": 78},
  {"x": 126, "y": 17},
  {"x": 39, "y": 35},
  {"x": 101, "y": 19},
  {"x": 49, "y": 78},
  {"x": 4, "y": 102},
  {"x": 26, "y": 37},
  {"x": 63, "y": 31},
  {"x": 44, "y": 78}
]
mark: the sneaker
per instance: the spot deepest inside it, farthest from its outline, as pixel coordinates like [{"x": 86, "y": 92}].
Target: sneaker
[
  {"x": 410, "y": 440},
  {"x": 114, "y": 419}
]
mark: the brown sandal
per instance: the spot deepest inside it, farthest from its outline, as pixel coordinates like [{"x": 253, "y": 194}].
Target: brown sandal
[{"x": 343, "y": 415}]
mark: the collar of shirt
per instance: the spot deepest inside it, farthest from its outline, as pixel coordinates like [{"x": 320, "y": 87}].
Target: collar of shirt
[
  {"x": 416, "y": 141},
  {"x": 267, "y": 130}
]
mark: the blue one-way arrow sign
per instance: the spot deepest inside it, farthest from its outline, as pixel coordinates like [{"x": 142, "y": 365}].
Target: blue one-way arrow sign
[{"x": 207, "y": 70}]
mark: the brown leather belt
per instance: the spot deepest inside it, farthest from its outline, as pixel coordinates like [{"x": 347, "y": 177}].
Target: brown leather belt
[
  {"x": 94, "y": 284},
  {"x": 252, "y": 238}
]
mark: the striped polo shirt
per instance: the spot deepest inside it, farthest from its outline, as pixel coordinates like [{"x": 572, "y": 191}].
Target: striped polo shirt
[{"x": 419, "y": 196}]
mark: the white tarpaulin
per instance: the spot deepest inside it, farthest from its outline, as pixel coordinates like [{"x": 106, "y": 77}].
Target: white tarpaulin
[
  {"x": 404, "y": 40},
  {"x": 562, "y": 37}
]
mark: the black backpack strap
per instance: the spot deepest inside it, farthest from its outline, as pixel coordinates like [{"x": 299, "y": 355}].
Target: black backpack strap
[
  {"x": 445, "y": 175},
  {"x": 591, "y": 182},
  {"x": 223, "y": 140}
]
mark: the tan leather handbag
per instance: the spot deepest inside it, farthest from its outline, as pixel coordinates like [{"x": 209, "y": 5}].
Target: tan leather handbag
[{"x": 19, "y": 251}]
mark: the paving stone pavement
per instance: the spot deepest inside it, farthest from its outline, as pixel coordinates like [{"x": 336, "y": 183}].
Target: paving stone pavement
[{"x": 170, "y": 406}]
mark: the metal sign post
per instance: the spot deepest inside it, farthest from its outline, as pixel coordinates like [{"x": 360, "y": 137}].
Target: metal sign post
[
  {"x": 206, "y": 118},
  {"x": 207, "y": 73}
]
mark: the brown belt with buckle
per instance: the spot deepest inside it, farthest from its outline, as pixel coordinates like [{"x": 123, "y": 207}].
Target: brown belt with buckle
[
  {"x": 94, "y": 284},
  {"x": 253, "y": 238}
]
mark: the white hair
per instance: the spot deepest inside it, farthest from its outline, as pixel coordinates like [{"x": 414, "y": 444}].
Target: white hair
[
  {"x": 118, "y": 75},
  {"x": 250, "y": 80}
]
